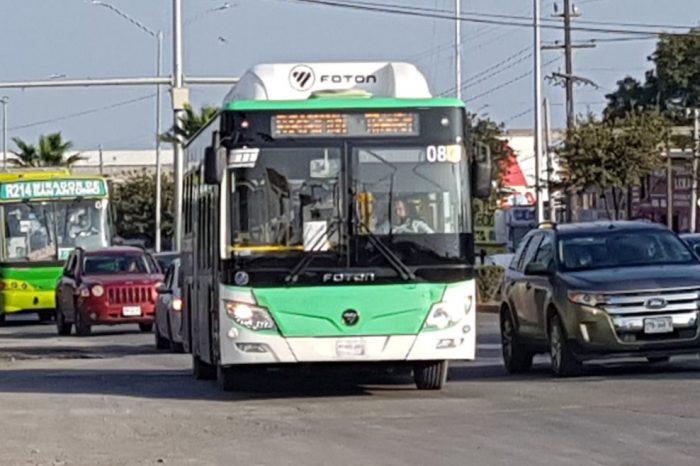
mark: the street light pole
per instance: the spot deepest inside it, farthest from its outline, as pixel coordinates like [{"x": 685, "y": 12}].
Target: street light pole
[
  {"x": 180, "y": 97},
  {"x": 159, "y": 177},
  {"x": 159, "y": 43},
  {"x": 538, "y": 110},
  {"x": 4, "y": 101},
  {"x": 458, "y": 48}
]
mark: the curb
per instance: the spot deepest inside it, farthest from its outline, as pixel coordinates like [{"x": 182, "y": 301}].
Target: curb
[{"x": 488, "y": 308}]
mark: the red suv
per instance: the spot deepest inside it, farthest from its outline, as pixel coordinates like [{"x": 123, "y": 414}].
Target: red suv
[{"x": 107, "y": 286}]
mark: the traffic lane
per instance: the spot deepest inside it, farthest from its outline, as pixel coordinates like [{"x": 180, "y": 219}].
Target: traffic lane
[{"x": 139, "y": 409}]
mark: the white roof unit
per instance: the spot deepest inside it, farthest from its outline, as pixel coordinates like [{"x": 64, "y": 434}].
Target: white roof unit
[{"x": 295, "y": 81}]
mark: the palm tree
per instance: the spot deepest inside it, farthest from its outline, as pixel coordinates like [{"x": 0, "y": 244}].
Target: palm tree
[
  {"x": 192, "y": 121},
  {"x": 50, "y": 152}
]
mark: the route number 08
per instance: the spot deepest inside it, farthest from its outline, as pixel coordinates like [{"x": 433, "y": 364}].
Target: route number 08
[{"x": 441, "y": 154}]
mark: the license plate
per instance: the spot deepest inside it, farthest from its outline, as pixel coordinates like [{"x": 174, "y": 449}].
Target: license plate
[
  {"x": 129, "y": 311},
  {"x": 658, "y": 325},
  {"x": 354, "y": 347}
]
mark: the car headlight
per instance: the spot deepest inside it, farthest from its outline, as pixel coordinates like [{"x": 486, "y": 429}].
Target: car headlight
[
  {"x": 445, "y": 314},
  {"x": 97, "y": 291},
  {"x": 586, "y": 299},
  {"x": 250, "y": 316}
]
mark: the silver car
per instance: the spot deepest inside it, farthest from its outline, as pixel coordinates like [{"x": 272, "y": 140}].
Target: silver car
[{"x": 168, "y": 319}]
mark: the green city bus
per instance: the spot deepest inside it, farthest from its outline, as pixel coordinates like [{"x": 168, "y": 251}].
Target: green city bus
[
  {"x": 327, "y": 219},
  {"x": 44, "y": 215}
]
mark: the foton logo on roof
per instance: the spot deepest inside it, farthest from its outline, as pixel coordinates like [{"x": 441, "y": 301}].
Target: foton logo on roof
[
  {"x": 302, "y": 78},
  {"x": 349, "y": 78}
]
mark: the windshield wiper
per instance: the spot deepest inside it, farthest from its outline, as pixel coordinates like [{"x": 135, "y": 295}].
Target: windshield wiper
[
  {"x": 389, "y": 255},
  {"x": 314, "y": 252}
]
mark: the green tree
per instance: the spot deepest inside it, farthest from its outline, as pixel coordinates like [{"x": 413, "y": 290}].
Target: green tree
[
  {"x": 51, "y": 151},
  {"x": 192, "y": 121},
  {"x": 671, "y": 86},
  {"x": 613, "y": 155},
  {"x": 134, "y": 204}
]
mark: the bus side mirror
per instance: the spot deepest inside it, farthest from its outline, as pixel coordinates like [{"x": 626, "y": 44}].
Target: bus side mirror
[
  {"x": 481, "y": 170},
  {"x": 214, "y": 164}
]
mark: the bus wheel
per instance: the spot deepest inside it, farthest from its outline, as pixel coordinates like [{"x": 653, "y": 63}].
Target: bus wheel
[
  {"x": 430, "y": 375},
  {"x": 82, "y": 328},
  {"x": 62, "y": 326},
  {"x": 202, "y": 370},
  {"x": 226, "y": 378}
]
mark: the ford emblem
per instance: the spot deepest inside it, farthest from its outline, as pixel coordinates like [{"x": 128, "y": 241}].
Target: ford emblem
[{"x": 655, "y": 303}]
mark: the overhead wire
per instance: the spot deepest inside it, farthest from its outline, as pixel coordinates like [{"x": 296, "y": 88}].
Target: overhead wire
[{"x": 504, "y": 20}]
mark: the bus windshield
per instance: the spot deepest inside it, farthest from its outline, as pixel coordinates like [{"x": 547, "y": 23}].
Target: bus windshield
[
  {"x": 49, "y": 230},
  {"x": 294, "y": 200},
  {"x": 289, "y": 201}
]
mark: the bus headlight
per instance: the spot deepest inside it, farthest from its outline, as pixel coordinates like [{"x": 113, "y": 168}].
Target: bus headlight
[
  {"x": 97, "y": 291},
  {"x": 250, "y": 316},
  {"x": 455, "y": 305}
]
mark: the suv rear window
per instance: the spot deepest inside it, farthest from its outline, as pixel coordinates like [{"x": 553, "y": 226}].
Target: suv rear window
[{"x": 622, "y": 249}]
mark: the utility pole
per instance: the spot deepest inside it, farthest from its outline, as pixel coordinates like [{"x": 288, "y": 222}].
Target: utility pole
[
  {"x": 696, "y": 154},
  {"x": 4, "y": 101},
  {"x": 458, "y": 48},
  {"x": 538, "y": 109},
  {"x": 669, "y": 188},
  {"x": 99, "y": 149},
  {"x": 569, "y": 67}
]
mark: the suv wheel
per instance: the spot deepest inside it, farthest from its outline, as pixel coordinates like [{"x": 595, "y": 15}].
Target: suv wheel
[
  {"x": 82, "y": 327},
  {"x": 63, "y": 328},
  {"x": 516, "y": 356},
  {"x": 202, "y": 370},
  {"x": 161, "y": 342},
  {"x": 564, "y": 363}
]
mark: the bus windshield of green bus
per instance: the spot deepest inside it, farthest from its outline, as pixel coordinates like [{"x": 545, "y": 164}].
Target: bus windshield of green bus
[
  {"x": 279, "y": 207},
  {"x": 49, "y": 230},
  {"x": 290, "y": 199}
]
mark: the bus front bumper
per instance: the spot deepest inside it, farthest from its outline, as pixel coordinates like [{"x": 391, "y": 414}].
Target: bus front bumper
[
  {"x": 242, "y": 346},
  {"x": 17, "y": 300}
]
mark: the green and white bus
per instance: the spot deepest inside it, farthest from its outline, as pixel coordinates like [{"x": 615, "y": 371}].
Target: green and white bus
[
  {"x": 327, "y": 219},
  {"x": 44, "y": 215}
]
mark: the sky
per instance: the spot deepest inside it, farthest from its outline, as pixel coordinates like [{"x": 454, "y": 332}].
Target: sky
[{"x": 41, "y": 39}]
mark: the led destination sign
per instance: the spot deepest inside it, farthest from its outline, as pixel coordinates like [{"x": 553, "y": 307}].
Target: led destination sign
[{"x": 371, "y": 124}]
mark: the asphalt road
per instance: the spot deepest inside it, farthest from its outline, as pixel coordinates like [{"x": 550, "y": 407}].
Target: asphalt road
[{"x": 111, "y": 399}]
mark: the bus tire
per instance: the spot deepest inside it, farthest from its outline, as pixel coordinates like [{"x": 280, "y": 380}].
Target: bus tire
[
  {"x": 226, "y": 378},
  {"x": 202, "y": 370},
  {"x": 82, "y": 327},
  {"x": 62, "y": 327},
  {"x": 430, "y": 375}
]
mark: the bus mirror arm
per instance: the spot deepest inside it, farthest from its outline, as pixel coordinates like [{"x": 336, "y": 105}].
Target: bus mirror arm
[
  {"x": 481, "y": 170},
  {"x": 214, "y": 164}
]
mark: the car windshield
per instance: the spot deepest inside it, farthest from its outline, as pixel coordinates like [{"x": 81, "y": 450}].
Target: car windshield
[
  {"x": 113, "y": 264},
  {"x": 622, "y": 249}
]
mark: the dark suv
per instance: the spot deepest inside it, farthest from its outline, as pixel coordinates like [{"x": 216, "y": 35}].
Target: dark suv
[{"x": 599, "y": 290}]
